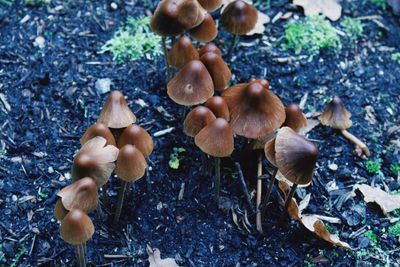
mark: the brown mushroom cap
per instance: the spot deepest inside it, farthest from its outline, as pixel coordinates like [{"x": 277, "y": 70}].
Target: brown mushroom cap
[
  {"x": 139, "y": 137},
  {"x": 173, "y": 17},
  {"x": 206, "y": 31},
  {"x": 219, "y": 107},
  {"x": 98, "y": 129},
  {"x": 216, "y": 139},
  {"x": 76, "y": 227},
  {"x": 210, "y": 48},
  {"x": 59, "y": 210},
  {"x": 295, "y": 118},
  {"x": 192, "y": 85},
  {"x": 336, "y": 115},
  {"x": 211, "y": 5},
  {"x": 182, "y": 52},
  {"x": 81, "y": 194},
  {"x": 197, "y": 119},
  {"x": 218, "y": 69},
  {"x": 295, "y": 156},
  {"x": 131, "y": 164},
  {"x": 255, "y": 111},
  {"x": 239, "y": 17},
  {"x": 95, "y": 160},
  {"x": 116, "y": 113}
]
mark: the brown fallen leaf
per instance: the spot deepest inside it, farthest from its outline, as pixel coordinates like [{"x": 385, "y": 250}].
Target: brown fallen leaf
[
  {"x": 156, "y": 261},
  {"x": 386, "y": 201},
  {"x": 330, "y": 8},
  {"x": 312, "y": 222}
]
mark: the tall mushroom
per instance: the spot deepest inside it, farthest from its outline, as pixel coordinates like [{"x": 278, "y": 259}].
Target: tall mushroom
[
  {"x": 197, "y": 119},
  {"x": 182, "y": 51},
  {"x": 76, "y": 229},
  {"x": 337, "y": 117},
  {"x": 210, "y": 48},
  {"x": 211, "y": 5},
  {"x": 216, "y": 140},
  {"x": 131, "y": 166},
  {"x": 218, "y": 69},
  {"x": 206, "y": 31},
  {"x": 255, "y": 112},
  {"x": 238, "y": 18},
  {"x": 98, "y": 129},
  {"x": 295, "y": 118},
  {"x": 219, "y": 107},
  {"x": 294, "y": 156}
]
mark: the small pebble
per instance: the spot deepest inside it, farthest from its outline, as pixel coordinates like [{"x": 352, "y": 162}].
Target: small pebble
[
  {"x": 114, "y": 6},
  {"x": 50, "y": 170},
  {"x": 333, "y": 166},
  {"x": 103, "y": 85},
  {"x": 40, "y": 42},
  {"x": 14, "y": 198}
]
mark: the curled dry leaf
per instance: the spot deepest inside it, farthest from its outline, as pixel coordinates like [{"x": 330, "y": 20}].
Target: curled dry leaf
[
  {"x": 312, "y": 222},
  {"x": 330, "y": 8},
  {"x": 156, "y": 261},
  {"x": 262, "y": 19},
  {"x": 386, "y": 201}
]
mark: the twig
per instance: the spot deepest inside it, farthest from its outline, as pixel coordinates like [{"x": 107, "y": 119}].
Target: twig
[
  {"x": 163, "y": 132},
  {"x": 244, "y": 186}
]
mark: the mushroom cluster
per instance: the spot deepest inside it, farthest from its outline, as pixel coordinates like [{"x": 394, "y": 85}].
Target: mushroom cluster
[{"x": 112, "y": 143}]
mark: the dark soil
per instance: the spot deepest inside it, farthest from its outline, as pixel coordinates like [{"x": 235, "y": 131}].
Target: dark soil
[{"x": 53, "y": 100}]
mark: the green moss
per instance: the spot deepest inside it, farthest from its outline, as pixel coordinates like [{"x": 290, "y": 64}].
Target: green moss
[
  {"x": 6, "y": 2},
  {"x": 18, "y": 256},
  {"x": 396, "y": 57},
  {"x": 352, "y": 27},
  {"x": 395, "y": 229},
  {"x": 133, "y": 41},
  {"x": 380, "y": 3},
  {"x": 395, "y": 168},
  {"x": 373, "y": 166},
  {"x": 37, "y": 2},
  {"x": 372, "y": 237},
  {"x": 174, "y": 158},
  {"x": 312, "y": 34}
]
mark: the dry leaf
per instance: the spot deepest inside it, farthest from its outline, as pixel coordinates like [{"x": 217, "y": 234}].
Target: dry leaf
[
  {"x": 312, "y": 222},
  {"x": 156, "y": 261},
  {"x": 330, "y": 8},
  {"x": 386, "y": 201}
]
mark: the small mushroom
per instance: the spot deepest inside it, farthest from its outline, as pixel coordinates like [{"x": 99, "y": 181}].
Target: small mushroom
[
  {"x": 139, "y": 137},
  {"x": 76, "y": 229},
  {"x": 96, "y": 160},
  {"x": 337, "y": 117},
  {"x": 219, "y": 107},
  {"x": 210, "y": 48},
  {"x": 197, "y": 119},
  {"x": 206, "y": 31},
  {"x": 116, "y": 114},
  {"x": 131, "y": 166},
  {"x": 182, "y": 52},
  {"x": 218, "y": 69},
  {"x": 81, "y": 194},
  {"x": 295, "y": 118},
  {"x": 210, "y": 5},
  {"x": 238, "y": 18},
  {"x": 216, "y": 140},
  {"x": 192, "y": 85},
  {"x": 98, "y": 129}
]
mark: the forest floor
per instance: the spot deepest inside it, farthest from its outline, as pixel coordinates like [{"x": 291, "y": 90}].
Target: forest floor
[{"x": 48, "y": 99}]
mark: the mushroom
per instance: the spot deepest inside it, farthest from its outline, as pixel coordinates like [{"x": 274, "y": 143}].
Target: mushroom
[
  {"x": 219, "y": 107},
  {"x": 218, "y": 69},
  {"x": 98, "y": 129},
  {"x": 210, "y": 5},
  {"x": 81, "y": 194},
  {"x": 131, "y": 166},
  {"x": 210, "y": 48},
  {"x": 76, "y": 229},
  {"x": 255, "y": 112},
  {"x": 192, "y": 85},
  {"x": 116, "y": 114},
  {"x": 182, "y": 52},
  {"x": 295, "y": 118},
  {"x": 216, "y": 140},
  {"x": 139, "y": 137},
  {"x": 96, "y": 160},
  {"x": 197, "y": 119},
  {"x": 238, "y": 18},
  {"x": 294, "y": 156},
  {"x": 337, "y": 117},
  {"x": 206, "y": 31},
  {"x": 173, "y": 17}
]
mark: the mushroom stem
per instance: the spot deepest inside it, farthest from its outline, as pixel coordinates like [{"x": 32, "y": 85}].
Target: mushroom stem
[
  {"x": 121, "y": 195},
  {"x": 269, "y": 191},
  {"x": 233, "y": 44},
  {"x": 244, "y": 186},
  {"x": 259, "y": 192},
  {"x": 287, "y": 202},
  {"x": 168, "y": 70},
  {"x": 356, "y": 141},
  {"x": 148, "y": 180},
  {"x": 80, "y": 252},
  {"x": 217, "y": 179}
]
